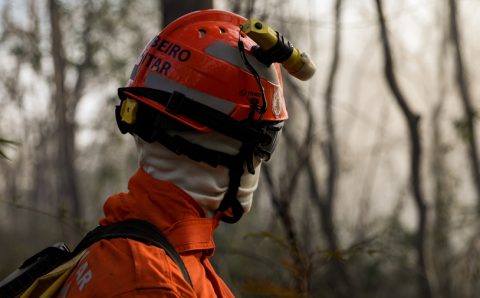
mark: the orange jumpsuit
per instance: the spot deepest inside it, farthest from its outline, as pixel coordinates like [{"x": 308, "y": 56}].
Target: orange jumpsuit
[{"x": 127, "y": 268}]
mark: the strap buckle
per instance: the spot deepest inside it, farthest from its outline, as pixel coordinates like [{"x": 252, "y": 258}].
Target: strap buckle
[{"x": 175, "y": 102}]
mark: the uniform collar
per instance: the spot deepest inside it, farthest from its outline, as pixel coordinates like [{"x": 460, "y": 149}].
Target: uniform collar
[{"x": 168, "y": 207}]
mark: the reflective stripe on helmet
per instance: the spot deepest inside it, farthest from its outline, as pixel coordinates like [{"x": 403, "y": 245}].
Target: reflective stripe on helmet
[
  {"x": 156, "y": 81},
  {"x": 230, "y": 54},
  {"x": 134, "y": 72}
]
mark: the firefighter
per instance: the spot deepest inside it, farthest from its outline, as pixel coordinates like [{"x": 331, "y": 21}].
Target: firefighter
[{"x": 204, "y": 113}]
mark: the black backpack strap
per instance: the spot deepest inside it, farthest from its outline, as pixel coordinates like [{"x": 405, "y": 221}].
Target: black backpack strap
[
  {"x": 138, "y": 230},
  {"x": 37, "y": 265}
]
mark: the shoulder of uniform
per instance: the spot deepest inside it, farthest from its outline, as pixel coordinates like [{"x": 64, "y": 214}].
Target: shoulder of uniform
[
  {"x": 147, "y": 266},
  {"x": 114, "y": 267}
]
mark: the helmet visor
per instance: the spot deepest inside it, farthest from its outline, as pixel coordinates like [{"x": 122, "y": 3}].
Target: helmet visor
[{"x": 271, "y": 132}]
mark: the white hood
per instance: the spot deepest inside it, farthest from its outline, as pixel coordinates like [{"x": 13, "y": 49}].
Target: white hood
[{"x": 206, "y": 184}]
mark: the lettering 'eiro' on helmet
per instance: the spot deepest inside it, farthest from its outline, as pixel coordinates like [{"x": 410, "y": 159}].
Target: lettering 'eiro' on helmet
[{"x": 198, "y": 55}]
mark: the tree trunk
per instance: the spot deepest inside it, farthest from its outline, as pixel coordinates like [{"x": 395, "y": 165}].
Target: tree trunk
[
  {"x": 467, "y": 124},
  {"x": 416, "y": 185},
  {"x": 67, "y": 191},
  {"x": 442, "y": 188},
  {"x": 172, "y": 9},
  {"x": 326, "y": 203}
]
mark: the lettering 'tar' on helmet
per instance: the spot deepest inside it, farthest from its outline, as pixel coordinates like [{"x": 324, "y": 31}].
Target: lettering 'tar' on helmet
[{"x": 198, "y": 56}]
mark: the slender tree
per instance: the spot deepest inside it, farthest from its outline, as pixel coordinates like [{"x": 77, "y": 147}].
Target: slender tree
[
  {"x": 467, "y": 124},
  {"x": 64, "y": 128},
  {"x": 442, "y": 188},
  {"x": 172, "y": 9},
  {"x": 412, "y": 120},
  {"x": 325, "y": 202}
]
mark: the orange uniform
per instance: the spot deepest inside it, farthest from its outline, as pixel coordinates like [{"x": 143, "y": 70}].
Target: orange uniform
[{"x": 127, "y": 268}]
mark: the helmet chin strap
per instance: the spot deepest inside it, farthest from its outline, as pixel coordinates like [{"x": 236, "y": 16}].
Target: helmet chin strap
[
  {"x": 235, "y": 163},
  {"x": 235, "y": 173}
]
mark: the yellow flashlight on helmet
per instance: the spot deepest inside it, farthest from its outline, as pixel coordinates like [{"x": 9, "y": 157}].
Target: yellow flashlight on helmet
[{"x": 273, "y": 47}]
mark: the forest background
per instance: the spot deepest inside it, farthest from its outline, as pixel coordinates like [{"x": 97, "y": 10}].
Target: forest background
[{"x": 374, "y": 190}]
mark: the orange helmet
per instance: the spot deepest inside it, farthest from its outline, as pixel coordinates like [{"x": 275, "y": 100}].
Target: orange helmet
[
  {"x": 200, "y": 72},
  {"x": 198, "y": 55}
]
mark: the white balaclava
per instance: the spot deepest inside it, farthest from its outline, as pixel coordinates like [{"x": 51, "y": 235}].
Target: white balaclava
[{"x": 206, "y": 184}]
